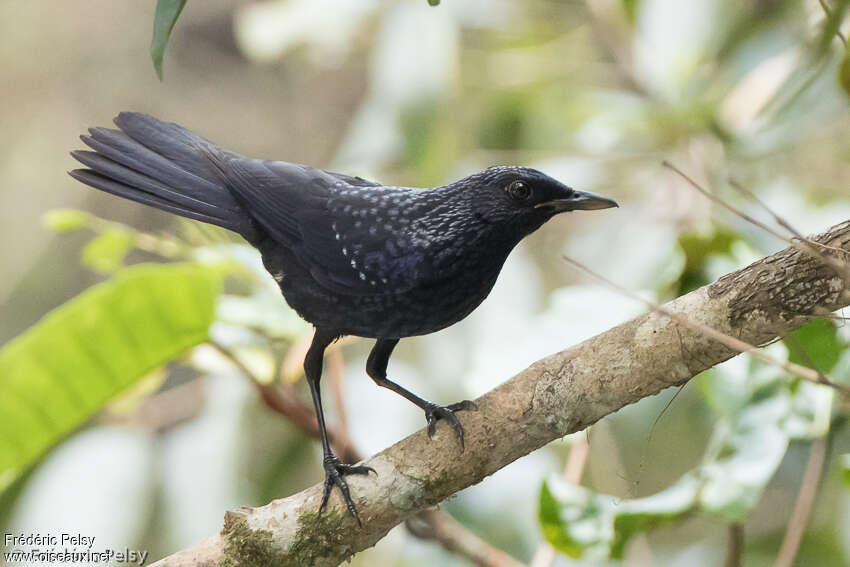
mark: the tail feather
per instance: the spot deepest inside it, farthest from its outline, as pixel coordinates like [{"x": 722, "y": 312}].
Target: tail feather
[
  {"x": 177, "y": 144},
  {"x": 119, "y": 147},
  {"x": 137, "y": 180},
  {"x": 164, "y": 166},
  {"x": 98, "y": 181}
]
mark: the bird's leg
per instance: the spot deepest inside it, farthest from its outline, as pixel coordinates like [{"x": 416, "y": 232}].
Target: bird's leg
[
  {"x": 334, "y": 468},
  {"x": 376, "y": 368}
]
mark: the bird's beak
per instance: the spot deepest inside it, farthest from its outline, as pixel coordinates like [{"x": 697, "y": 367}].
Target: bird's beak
[{"x": 579, "y": 200}]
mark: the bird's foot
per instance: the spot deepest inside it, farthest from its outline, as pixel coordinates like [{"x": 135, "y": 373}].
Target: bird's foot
[
  {"x": 433, "y": 412},
  {"x": 334, "y": 473}
]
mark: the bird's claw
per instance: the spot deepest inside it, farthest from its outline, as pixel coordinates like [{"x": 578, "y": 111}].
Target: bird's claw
[
  {"x": 334, "y": 473},
  {"x": 433, "y": 412}
]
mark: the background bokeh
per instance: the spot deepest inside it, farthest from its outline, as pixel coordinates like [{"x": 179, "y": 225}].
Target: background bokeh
[{"x": 596, "y": 93}]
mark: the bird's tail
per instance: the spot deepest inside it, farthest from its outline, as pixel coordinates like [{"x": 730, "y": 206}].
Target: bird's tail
[{"x": 162, "y": 165}]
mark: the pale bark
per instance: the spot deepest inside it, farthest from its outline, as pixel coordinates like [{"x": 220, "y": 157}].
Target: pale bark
[{"x": 560, "y": 394}]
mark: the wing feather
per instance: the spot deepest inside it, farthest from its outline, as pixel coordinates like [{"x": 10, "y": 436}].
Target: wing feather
[{"x": 339, "y": 227}]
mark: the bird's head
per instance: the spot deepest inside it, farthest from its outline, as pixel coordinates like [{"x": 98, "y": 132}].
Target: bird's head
[{"x": 525, "y": 198}]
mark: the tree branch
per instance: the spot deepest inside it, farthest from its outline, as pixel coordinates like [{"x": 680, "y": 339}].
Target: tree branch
[{"x": 557, "y": 395}]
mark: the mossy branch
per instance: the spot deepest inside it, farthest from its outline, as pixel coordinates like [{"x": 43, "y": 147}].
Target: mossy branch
[{"x": 560, "y": 394}]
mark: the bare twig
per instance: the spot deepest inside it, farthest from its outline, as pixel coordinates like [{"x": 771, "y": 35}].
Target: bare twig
[
  {"x": 803, "y": 505},
  {"x": 736, "y": 545},
  {"x": 735, "y": 344},
  {"x": 800, "y": 242},
  {"x": 577, "y": 459},
  {"x": 712, "y": 197},
  {"x": 455, "y": 538},
  {"x": 780, "y": 220}
]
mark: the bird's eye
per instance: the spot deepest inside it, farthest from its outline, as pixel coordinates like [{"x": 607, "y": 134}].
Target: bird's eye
[{"x": 519, "y": 190}]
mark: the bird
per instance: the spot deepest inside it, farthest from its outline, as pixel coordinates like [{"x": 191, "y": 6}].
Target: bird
[{"x": 351, "y": 256}]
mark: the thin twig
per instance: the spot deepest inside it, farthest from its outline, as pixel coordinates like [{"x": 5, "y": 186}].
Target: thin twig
[
  {"x": 729, "y": 341},
  {"x": 736, "y": 545},
  {"x": 577, "y": 460},
  {"x": 780, "y": 220},
  {"x": 801, "y": 243},
  {"x": 803, "y": 505},
  {"x": 458, "y": 540},
  {"x": 711, "y": 196}
]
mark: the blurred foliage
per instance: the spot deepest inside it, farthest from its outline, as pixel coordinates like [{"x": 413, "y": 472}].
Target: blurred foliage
[
  {"x": 580, "y": 522},
  {"x": 105, "y": 254},
  {"x": 758, "y": 412},
  {"x": 845, "y": 469},
  {"x": 698, "y": 247},
  {"x": 82, "y": 354},
  {"x": 844, "y": 72},
  {"x": 816, "y": 345}
]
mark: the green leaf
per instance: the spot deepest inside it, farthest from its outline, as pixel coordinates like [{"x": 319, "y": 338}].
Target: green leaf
[
  {"x": 845, "y": 468},
  {"x": 434, "y": 2},
  {"x": 698, "y": 247},
  {"x": 77, "y": 358},
  {"x": 65, "y": 220},
  {"x": 105, "y": 254},
  {"x": 579, "y": 522},
  {"x": 167, "y": 12},
  {"x": 816, "y": 343},
  {"x": 732, "y": 485}
]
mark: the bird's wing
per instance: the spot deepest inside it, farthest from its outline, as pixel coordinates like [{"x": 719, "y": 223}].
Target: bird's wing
[{"x": 344, "y": 230}]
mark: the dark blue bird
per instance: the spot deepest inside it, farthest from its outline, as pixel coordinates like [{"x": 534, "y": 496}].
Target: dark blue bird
[{"x": 351, "y": 256}]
